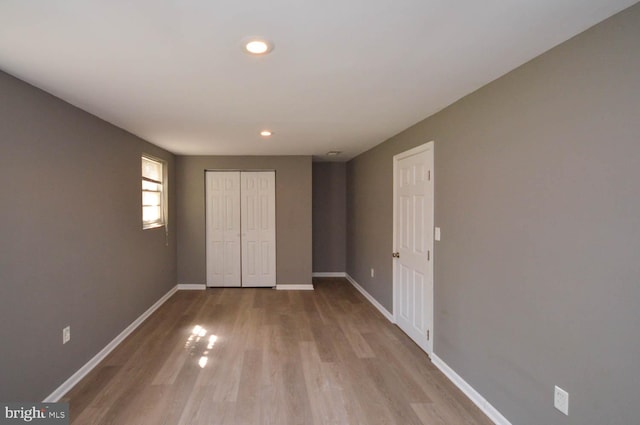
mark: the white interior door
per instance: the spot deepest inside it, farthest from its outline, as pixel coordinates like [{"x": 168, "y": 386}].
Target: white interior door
[
  {"x": 223, "y": 228},
  {"x": 413, "y": 242},
  {"x": 258, "y": 223}
]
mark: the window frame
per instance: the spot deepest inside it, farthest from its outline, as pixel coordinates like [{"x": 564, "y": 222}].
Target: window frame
[{"x": 162, "y": 220}]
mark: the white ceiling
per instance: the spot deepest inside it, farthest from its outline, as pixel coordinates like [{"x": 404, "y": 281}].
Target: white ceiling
[{"x": 344, "y": 75}]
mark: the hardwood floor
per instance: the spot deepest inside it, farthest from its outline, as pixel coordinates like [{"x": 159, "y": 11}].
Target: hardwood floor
[{"x": 260, "y": 356}]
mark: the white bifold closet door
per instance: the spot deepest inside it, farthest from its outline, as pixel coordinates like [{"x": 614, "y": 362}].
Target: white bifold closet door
[
  {"x": 258, "y": 225},
  {"x": 241, "y": 236}
]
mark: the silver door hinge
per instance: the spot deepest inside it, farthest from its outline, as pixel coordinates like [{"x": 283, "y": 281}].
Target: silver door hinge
[
  {"x": 428, "y": 255},
  {"x": 428, "y": 335},
  {"x": 429, "y": 175}
]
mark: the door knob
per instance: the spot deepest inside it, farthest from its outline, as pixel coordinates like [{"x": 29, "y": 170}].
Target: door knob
[{"x": 396, "y": 255}]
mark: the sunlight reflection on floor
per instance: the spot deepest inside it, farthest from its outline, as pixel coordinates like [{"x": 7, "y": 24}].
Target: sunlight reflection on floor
[{"x": 197, "y": 334}]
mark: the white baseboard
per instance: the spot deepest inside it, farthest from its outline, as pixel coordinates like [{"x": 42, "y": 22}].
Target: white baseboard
[
  {"x": 57, "y": 394},
  {"x": 467, "y": 389},
  {"x": 302, "y": 287},
  {"x": 470, "y": 392},
  {"x": 329, "y": 274},
  {"x": 372, "y": 300},
  {"x": 191, "y": 287}
]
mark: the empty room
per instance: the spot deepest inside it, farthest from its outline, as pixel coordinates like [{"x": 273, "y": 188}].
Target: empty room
[{"x": 284, "y": 212}]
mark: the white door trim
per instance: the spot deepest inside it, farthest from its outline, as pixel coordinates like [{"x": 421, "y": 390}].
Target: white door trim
[{"x": 424, "y": 147}]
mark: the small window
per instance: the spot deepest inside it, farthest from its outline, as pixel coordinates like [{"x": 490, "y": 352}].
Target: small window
[{"x": 153, "y": 193}]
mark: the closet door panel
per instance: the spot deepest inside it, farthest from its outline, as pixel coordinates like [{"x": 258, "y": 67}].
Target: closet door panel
[
  {"x": 258, "y": 228},
  {"x": 223, "y": 228}
]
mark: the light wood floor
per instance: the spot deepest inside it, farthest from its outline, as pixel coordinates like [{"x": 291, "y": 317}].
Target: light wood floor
[{"x": 278, "y": 357}]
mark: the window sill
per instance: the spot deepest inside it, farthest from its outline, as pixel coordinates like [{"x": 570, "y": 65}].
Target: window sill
[{"x": 152, "y": 226}]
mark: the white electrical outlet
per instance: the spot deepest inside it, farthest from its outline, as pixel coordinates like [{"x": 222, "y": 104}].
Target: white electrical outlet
[
  {"x": 66, "y": 334},
  {"x": 373, "y": 273},
  {"x": 436, "y": 233},
  {"x": 561, "y": 400}
]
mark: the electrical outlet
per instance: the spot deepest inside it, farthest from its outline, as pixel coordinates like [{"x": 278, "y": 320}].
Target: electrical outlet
[
  {"x": 373, "y": 273},
  {"x": 66, "y": 334},
  {"x": 561, "y": 400}
]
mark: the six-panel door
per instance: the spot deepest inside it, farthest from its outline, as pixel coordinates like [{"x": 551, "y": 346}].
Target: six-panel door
[{"x": 413, "y": 241}]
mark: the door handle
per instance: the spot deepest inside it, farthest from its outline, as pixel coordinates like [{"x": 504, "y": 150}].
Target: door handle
[{"x": 396, "y": 255}]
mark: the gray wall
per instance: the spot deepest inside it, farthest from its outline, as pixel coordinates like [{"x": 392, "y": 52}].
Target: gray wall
[
  {"x": 72, "y": 248},
  {"x": 538, "y": 197},
  {"x": 329, "y": 216},
  {"x": 293, "y": 213}
]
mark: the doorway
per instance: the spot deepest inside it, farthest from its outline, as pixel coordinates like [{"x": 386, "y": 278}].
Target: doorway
[
  {"x": 413, "y": 211},
  {"x": 240, "y": 228}
]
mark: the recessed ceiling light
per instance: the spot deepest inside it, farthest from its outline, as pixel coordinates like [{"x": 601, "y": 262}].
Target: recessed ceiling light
[
  {"x": 266, "y": 133},
  {"x": 257, "y": 46},
  {"x": 334, "y": 153}
]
